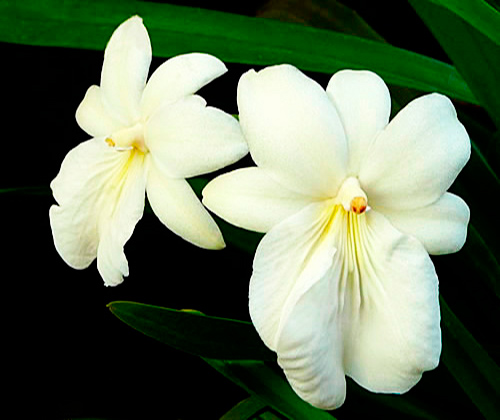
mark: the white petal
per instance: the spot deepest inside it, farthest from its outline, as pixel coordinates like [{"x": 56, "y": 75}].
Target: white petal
[
  {"x": 125, "y": 68},
  {"x": 249, "y": 198},
  {"x": 187, "y": 138},
  {"x": 417, "y": 157},
  {"x": 100, "y": 195},
  {"x": 334, "y": 292},
  {"x": 441, "y": 226},
  {"x": 92, "y": 116},
  {"x": 179, "y": 77},
  {"x": 391, "y": 310},
  {"x": 178, "y": 208},
  {"x": 123, "y": 214},
  {"x": 294, "y": 260},
  {"x": 293, "y": 130},
  {"x": 364, "y": 105},
  {"x": 310, "y": 348},
  {"x": 287, "y": 260}
]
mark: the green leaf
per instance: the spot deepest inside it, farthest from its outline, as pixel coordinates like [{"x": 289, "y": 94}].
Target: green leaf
[
  {"x": 259, "y": 379},
  {"x": 233, "y": 38},
  {"x": 470, "y": 365},
  {"x": 43, "y": 191},
  {"x": 212, "y": 338},
  {"x": 394, "y": 406},
  {"x": 472, "y": 44},
  {"x": 246, "y": 409},
  {"x": 326, "y": 14},
  {"x": 483, "y": 261},
  {"x": 479, "y": 14},
  {"x": 194, "y": 333}
]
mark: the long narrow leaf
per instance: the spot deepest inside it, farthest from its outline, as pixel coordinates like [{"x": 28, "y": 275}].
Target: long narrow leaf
[
  {"x": 484, "y": 262},
  {"x": 471, "y": 366},
  {"x": 193, "y": 333},
  {"x": 246, "y": 409},
  {"x": 475, "y": 55},
  {"x": 478, "y": 13},
  {"x": 42, "y": 191},
  {"x": 233, "y": 38},
  {"x": 258, "y": 379}
]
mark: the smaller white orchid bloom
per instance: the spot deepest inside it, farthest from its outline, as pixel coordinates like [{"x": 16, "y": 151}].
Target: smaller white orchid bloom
[
  {"x": 351, "y": 205},
  {"x": 147, "y": 138}
]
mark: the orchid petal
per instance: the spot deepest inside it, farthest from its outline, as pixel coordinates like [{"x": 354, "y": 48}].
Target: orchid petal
[
  {"x": 364, "y": 106},
  {"x": 176, "y": 205},
  {"x": 295, "y": 259},
  {"x": 122, "y": 216},
  {"x": 310, "y": 347},
  {"x": 293, "y": 255},
  {"x": 293, "y": 130},
  {"x": 417, "y": 157},
  {"x": 249, "y": 198},
  {"x": 100, "y": 195},
  {"x": 334, "y": 292},
  {"x": 179, "y": 77},
  {"x": 391, "y": 320},
  {"x": 187, "y": 138},
  {"x": 93, "y": 117},
  {"x": 441, "y": 226},
  {"x": 124, "y": 71}
]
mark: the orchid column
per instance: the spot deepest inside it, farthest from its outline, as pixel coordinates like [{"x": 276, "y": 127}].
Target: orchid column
[{"x": 351, "y": 205}]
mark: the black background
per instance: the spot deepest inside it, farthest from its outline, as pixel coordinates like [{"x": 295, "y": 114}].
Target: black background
[{"x": 70, "y": 357}]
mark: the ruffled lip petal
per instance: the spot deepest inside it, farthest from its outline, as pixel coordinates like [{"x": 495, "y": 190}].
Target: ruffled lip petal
[
  {"x": 310, "y": 346},
  {"x": 100, "y": 195},
  {"x": 293, "y": 130},
  {"x": 74, "y": 221},
  {"x": 391, "y": 320},
  {"x": 334, "y": 292},
  {"x": 120, "y": 213},
  {"x": 77, "y": 247},
  {"x": 293, "y": 308},
  {"x": 289, "y": 259}
]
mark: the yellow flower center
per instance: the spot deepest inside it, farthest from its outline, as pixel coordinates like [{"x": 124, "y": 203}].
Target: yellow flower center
[
  {"x": 352, "y": 197},
  {"x": 347, "y": 223},
  {"x": 128, "y": 139}
]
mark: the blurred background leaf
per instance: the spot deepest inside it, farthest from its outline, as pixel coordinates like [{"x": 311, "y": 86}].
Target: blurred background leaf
[
  {"x": 259, "y": 379},
  {"x": 469, "y": 32},
  {"x": 232, "y": 38},
  {"x": 194, "y": 333},
  {"x": 250, "y": 408},
  {"x": 470, "y": 365}
]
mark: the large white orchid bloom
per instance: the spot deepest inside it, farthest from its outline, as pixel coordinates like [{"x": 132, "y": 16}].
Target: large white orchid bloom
[
  {"x": 147, "y": 138},
  {"x": 342, "y": 282}
]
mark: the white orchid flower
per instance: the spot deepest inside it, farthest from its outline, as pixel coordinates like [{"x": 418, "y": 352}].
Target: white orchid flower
[
  {"x": 351, "y": 204},
  {"x": 147, "y": 138}
]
